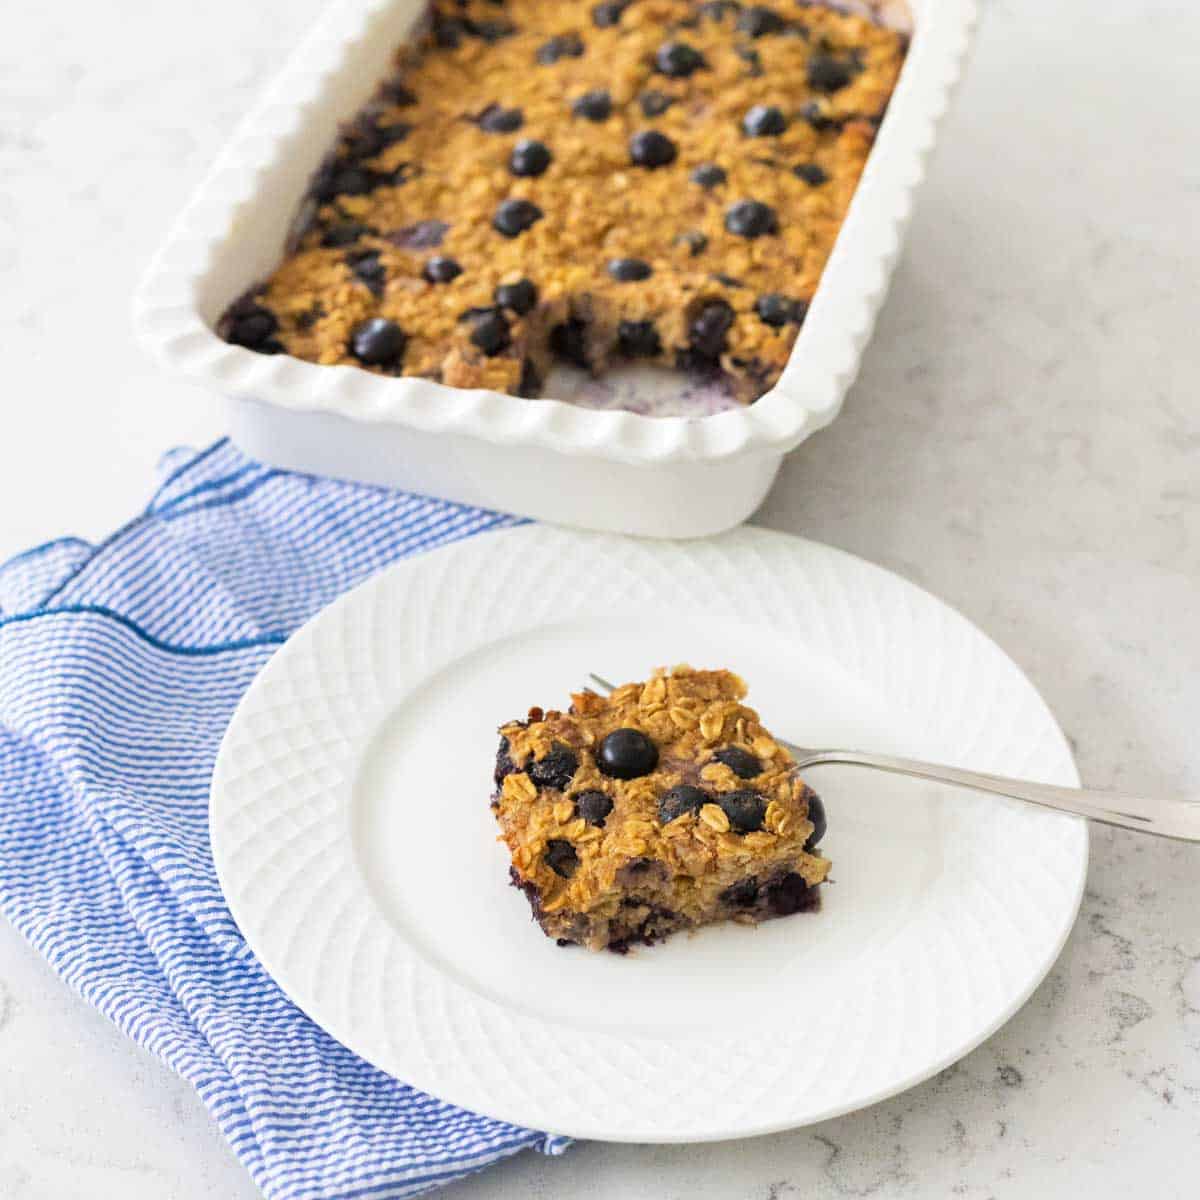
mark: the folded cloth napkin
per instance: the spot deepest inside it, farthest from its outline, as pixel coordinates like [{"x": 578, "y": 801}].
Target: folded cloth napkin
[{"x": 120, "y": 666}]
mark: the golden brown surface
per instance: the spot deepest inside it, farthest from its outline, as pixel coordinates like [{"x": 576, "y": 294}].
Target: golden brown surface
[
  {"x": 634, "y": 876},
  {"x": 596, "y": 204}
]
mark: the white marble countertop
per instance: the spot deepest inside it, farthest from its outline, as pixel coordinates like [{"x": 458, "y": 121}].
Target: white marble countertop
[{"x": 1023, "y": 440}]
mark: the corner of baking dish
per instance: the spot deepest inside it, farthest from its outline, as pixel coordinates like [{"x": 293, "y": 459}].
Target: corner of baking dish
[{"x": 806, "y": 398}]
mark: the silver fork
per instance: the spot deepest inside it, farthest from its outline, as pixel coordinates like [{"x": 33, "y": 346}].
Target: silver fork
[{"x": 1164, "y": 817}]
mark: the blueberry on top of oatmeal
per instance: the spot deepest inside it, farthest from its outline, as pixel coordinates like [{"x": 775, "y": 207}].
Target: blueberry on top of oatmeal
[
  {"x": 649, "y": 148},
  {"x": 513, "y": 217},
  {"x": 378, "y": 342}
]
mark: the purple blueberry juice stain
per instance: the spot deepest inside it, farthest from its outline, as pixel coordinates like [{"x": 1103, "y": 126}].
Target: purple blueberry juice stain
[
  {"x": 424, "y": 235},
  {"x": 649, "y": 391}
]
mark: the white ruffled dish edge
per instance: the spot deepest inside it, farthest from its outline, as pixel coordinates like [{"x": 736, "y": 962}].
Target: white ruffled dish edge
[{"x": 230, "y": 233}]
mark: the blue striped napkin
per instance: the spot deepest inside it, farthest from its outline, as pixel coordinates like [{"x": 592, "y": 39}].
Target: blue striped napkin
[{"x": 120, "y": 666}]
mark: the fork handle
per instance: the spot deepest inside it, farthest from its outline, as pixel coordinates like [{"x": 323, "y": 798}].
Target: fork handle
[{"x": 1164, "y": 817}]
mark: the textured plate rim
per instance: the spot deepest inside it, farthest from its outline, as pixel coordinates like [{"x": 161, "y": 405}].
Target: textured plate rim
[{"x": 347, "y": 1034}]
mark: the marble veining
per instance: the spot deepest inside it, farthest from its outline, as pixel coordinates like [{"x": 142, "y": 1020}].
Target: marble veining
[{"x": 1022, "y": 440}]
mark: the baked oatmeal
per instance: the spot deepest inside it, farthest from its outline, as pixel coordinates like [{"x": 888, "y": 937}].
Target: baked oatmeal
[
  {"x": 664, "y": 806},
  {"x": 542, "y": 180}
]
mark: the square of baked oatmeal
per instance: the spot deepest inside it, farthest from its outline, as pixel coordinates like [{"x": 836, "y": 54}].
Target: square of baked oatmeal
[{"x": 665, "y": 805}]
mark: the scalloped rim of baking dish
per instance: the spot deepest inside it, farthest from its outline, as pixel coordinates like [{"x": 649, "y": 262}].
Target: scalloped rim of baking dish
[{"x": 807, "y": 397}]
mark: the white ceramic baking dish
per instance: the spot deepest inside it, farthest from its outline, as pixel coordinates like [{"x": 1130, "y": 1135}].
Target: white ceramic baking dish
[{"x": 613, "y": 470}]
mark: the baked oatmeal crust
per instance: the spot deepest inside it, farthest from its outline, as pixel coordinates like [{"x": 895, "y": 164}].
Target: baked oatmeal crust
[{"x": 533, "y": 140}]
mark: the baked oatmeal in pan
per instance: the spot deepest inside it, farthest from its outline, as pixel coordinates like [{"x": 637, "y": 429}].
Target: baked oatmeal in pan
[{"x": 542, "y": 180}]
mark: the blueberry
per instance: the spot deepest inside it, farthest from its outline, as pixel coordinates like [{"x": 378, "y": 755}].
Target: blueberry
[
  {"x": 402, "y": 173},
  {"x": 495, "y": 119},
  {"x": 441, "y": 270},
  {"x": 629, "y": 270},
  {"x": 490, "y": 333},
  {"x": 246, "y": 305},
  {"x": 504, "y": 763},
  {"x": 828, "y": 74},
  {"x": 378, "y": 342},
  {"x": 368, "y": 269},
  {"x": 344, "y": 181},
  {"x": 678, "y": 60},
  {"x": 681, "y": 799},
  {"x": 759, "y": 21},
  {"x": 776, "y": 310},
  {"x": 513, "y": 217},
  {"x": 362, "y": 139},
  {"x": 529, "y": 157},
  {"x": 654, "y": 104},
  {"x": 251, "y": 323},
  {"x": 743, "y": 894},
  {"x": 789, "y": 895},
  {"x": 565, "y": 45},
  {"x": 745, "y": 810},
  {"x": 707, "y": 330},
  {"x": 694, "y": 240},
  {"x": 810, "y": 173},
  {"x": 568, "y": 341},
  {"x": 345, "y": 233},
  {"x": 593, "y": 806},
  {"x": 561, "y": 857},
  {"x": 255, "y": 331},
  {"x": 397, "y": 93},
  {"x": 708, "y": 175},
  {"x": 816, "y": 116},
  {"x": 448, "y": 32},
  {"x": 638, "y": 339},
  {"x": 556, "y": 768},
  {"x": 751, "y": 219},
  {"x": 593, "y": 106},
  {"x": 492, "y": 31},
  {"x": 649, "y": 148},
  {"x": 764, "y": 120},
  {"x": 391, "y": 135},
  {"x": 716, "y": 10},
  {"x": 741, "y": 762},
  {"x": 816, "y": 814},
  {"x": 520, "y": 296},
  {"x": 637, "y": 868},
  {"x": 605, "y": 16},
  {"x": 627, "y": 754}
]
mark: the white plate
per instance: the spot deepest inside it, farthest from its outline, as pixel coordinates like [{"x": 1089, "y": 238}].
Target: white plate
[{"x": 353, "y": 838}]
